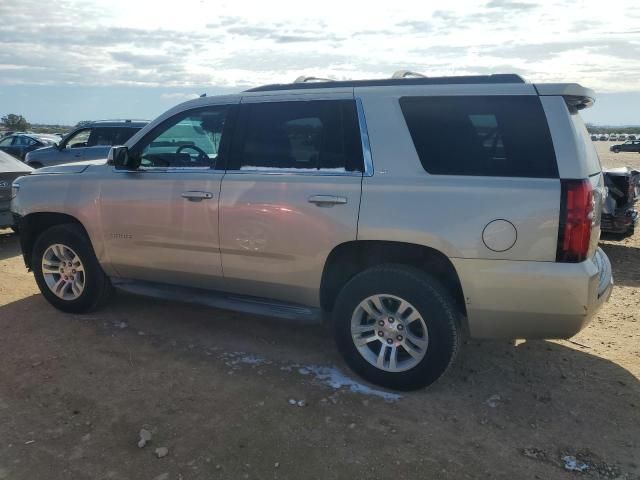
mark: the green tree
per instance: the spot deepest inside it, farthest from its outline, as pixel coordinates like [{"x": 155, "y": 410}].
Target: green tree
[{"x": 15, "y": 122}]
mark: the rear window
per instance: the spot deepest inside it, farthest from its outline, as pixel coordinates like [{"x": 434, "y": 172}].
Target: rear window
[
  {"x": 108, "y": 136},
  {"x": 501, "y": 136},
  {"x": 590, "y": 155}
]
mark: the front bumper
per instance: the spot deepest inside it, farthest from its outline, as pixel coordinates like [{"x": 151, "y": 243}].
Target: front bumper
[
  {"x": 515, "y": 299},
  {"x": 6, "y": 219}
]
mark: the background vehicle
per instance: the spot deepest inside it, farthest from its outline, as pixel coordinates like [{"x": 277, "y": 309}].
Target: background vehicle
[
  {"x": 632, "y": 137},
  {"x": 613, "y": 137},
  {"x": 347, "y": 200},
  {"x": 19, "y": 144},
  {"x": 628, "y": 146},
  {"x": 91, "y": 141},
  {"x": 604, "y": 137},
  {"x": 619, "y": 215},
  {"x": 622, "y": 137},
  {"x": 10, "y": 169},
  {"x": 594, "y": 137}
]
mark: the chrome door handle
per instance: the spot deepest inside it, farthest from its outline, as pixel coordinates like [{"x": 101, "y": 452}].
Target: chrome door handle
[
  {"x": 327, "y": 200},
  {"x": 196, "y": 196}
]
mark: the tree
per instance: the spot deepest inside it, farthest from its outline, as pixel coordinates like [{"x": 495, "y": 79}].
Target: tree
[{"x": 15, "y": 122}]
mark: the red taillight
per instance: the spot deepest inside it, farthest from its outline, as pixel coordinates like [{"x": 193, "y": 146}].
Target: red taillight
[{"x": 576, "y": 220}]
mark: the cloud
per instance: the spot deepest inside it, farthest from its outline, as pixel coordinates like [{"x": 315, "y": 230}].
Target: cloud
[{"x": 511, "y": 5}]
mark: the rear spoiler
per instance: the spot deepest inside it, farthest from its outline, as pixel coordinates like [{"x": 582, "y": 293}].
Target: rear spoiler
[{"x": 574, "y": 94}]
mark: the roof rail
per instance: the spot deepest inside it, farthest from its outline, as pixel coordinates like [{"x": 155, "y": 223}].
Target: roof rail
[
  {"x": 382, "y": 82},
  {"x": 306, "y": 79},
  {"x": 406, "y": 74}
]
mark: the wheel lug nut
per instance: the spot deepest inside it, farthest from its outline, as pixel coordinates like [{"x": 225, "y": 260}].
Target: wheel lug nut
[
  {"x": 73, "y": 271},
  {"x": 391, "y": 319},
  {"x": 400, "y": 326},
  {"x": 381, "y": 323},
  {"x": 381, "y": 333},
  {"x": 399, "y": 337},
  {"x": 389, "y": 341}
]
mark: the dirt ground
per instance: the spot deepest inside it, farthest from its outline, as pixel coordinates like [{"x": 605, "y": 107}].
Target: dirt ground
[{"x": 215, "y": 388}]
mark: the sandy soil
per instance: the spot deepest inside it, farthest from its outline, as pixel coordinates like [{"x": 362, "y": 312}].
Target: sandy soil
[{"x": 214, "y": 387}]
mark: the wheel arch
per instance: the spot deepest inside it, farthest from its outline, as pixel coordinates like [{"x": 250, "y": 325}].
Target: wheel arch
[
  {"x": 350, "y": 258},
  {"x": 32, "y": 225}
]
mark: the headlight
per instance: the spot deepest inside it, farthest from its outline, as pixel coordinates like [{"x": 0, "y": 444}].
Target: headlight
[{"x": 15, "y": 187}]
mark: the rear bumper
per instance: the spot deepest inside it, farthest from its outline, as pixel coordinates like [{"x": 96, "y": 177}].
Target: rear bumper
[
  {"x": 512, "y": 299},
  {"x": 623, "y": 221}
]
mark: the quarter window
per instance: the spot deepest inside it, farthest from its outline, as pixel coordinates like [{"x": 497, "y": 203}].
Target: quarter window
[
  {"x": 317, "y": 135},
  {"x": 502, "y": 136}
]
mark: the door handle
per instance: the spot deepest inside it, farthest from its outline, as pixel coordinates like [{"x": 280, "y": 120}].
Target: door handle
[
  {"x": 195, "y": 196},
  {"x": 327, "y": 200}
]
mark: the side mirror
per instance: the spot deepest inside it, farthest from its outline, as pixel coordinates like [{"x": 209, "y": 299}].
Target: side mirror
[{"x": 120, "y": 158}]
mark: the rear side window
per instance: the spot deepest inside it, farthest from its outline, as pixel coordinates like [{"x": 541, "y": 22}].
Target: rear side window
[
  {"x": 109, "y": 136},
  {"x": 317, "y": 135},
  {"x": 501, "y": 136}
]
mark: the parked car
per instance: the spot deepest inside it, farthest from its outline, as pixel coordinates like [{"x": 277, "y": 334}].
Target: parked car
[
  {"x": 409, "y": 212},
  {"x": 594, "y": 137},
  {"x": 10, "y": 169},
  {"x": 19, "y": 144},
  {"x": 631, "y": 136},
  {"x": 613, "y": 137},
  {"x": 91, "y": 141},
  {"x": 619, "y": 215},
  {"x": 604, "y": 137},
  {"x": 628, "y": 146}
]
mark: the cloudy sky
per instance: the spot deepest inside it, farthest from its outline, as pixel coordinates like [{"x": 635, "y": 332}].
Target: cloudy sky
[{"x": 69, "y": 60}]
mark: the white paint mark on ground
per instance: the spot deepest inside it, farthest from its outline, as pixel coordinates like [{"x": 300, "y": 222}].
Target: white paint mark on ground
[{"x": 336, "y": 379}]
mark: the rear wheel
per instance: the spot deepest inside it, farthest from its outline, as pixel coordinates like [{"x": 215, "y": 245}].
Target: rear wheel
[
  {"x": 396, "y": 326},
  {"x": 67, "y": 270}
]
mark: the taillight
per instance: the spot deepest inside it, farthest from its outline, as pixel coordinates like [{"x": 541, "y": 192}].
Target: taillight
[{"x": 577, "y": 210}]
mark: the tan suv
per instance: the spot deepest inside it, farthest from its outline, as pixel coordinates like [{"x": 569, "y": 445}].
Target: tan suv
[{"x": 410, "y": 211}]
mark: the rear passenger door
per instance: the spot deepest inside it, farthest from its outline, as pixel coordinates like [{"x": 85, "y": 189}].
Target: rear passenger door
[{"x": 290, "y": 195}]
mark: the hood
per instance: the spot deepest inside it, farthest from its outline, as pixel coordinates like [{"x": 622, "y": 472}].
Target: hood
[
  {"x": 77, "y": 167},
  {"x": 39, "y": 151}
]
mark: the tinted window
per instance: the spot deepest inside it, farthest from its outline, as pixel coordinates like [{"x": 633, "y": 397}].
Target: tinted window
[
  {"x": 5, "y": 142},
  {"x": 304, "y": 135},
  {"x": 189, "y": 140},
  {"x": 590, "y": 156},
  {"x": 109, "y": 136},
  {"x": 503, "y": 136}
]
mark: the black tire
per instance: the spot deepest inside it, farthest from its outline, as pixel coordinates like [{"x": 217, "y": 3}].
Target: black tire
[
  {"x": 434, "y": 303},
  {"x": 97, "y": 288}
]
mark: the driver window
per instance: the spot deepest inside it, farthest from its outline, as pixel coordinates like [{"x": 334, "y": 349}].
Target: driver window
[
  {"x": 190, "y": 140},
  {"x": 78, "y": 140}
]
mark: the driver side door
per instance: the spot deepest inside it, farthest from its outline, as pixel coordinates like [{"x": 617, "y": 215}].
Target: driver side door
[{"x": 160, "y": 222}]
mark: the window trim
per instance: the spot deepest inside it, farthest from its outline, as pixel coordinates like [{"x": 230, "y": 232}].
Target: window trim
[
  {"x": 296, "y": 171},
  {"x": 224, "y": 145}
]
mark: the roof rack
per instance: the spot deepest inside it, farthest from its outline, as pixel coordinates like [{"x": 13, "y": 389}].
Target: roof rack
[
  {"x": 407, "y": 74},
  {"x": 407, "y": 80},
  {"x": 305, "y": 79}
]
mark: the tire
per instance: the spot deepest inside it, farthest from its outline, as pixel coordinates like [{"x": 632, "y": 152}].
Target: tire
[
  {"x": 92, "y": 288},
  {"x": 436, "y": 310}
]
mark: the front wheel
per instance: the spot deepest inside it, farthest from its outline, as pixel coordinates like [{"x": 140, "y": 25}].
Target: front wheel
[
  {"x": 67, "y": 270},
  {"x": 397, "y": 327}
]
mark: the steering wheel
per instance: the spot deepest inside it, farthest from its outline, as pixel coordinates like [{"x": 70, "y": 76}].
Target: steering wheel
[{"x": 202, "y": 155}]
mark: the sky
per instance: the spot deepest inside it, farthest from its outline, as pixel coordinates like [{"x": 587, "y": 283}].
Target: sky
[{"x": 69, "y": 60}]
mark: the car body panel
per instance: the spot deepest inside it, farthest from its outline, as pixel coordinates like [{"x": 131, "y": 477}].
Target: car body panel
[{"x": 272, "y": 242}]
